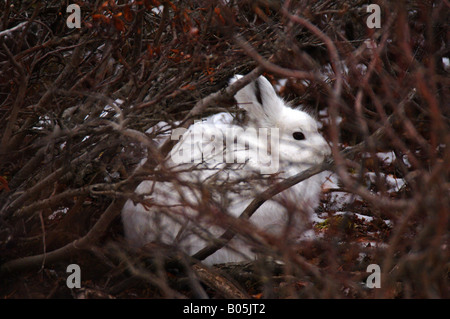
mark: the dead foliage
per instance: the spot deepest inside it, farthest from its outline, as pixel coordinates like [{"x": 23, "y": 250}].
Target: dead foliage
[{"x": 75, "y": 103}]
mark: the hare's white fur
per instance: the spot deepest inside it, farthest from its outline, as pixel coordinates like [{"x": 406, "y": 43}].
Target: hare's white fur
[{"x": 175, "y": 214}]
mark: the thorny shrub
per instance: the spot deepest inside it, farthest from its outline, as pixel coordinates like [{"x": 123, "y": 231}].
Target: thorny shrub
[{"x": 75, "y": 103}]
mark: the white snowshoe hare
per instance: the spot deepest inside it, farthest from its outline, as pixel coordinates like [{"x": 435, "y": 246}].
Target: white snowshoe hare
[{"x": 218, "y": 167}]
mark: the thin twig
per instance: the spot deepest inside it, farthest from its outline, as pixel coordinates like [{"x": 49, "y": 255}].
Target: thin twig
[{"x": 17, "y": 27}]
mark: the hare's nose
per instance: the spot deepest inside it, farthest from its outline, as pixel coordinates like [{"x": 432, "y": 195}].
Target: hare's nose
[
  {"x": 324, "y": 152},
  {"x": 321, "y": 146}
]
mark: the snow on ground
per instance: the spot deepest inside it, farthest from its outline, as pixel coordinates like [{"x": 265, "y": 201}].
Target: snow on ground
[
  {"x": 325, "y": 118},
  {"x": 108, "y": 108},
  {"x": 392, "y": 183},
  {"x": 367, "y": 229}
]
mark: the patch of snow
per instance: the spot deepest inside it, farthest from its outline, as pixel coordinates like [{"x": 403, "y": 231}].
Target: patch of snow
[
  {"x": 281, "y": 83},
  {"x": 60, "y": 210},
  {"x": 108, "y": 108},
  {"x": 43, "y": 122},
  {"x": 446, "y": 62},
  {"x": 339, "y": 200},
  {"x": 387, "y": 157},
  {"x": 405, "y": 161},
  {"x": 393, "y": 184},
  {"x": 325, "y": 117},
  {"x": 362, "y": 68},
  {"x": 158, "y": 10},
  {"x": 364, "y": 217}
]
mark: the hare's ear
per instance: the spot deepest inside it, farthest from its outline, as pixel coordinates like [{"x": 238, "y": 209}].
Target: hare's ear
[{"x": 260, "y": 100}]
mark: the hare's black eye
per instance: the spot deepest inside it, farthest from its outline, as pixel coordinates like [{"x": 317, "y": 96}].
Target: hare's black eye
[{"x": 299, "y": 136}]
